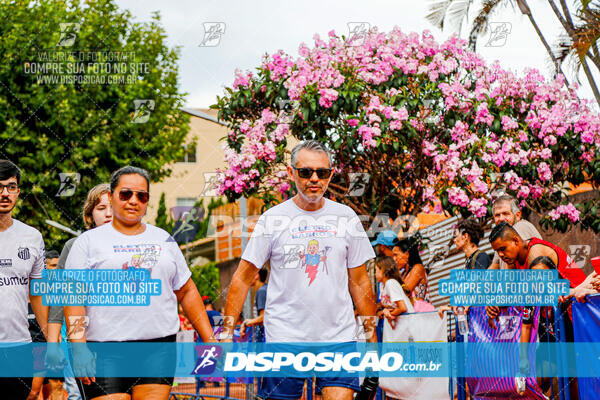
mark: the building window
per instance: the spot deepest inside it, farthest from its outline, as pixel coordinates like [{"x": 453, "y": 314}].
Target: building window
[
  {"x": 186, "y": 201},
  {"x": 190, "y": 153}
]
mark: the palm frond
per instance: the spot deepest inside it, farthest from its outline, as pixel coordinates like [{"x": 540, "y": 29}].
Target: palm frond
[
  {"x": 480, "y": 23},
  {"x": 437, "y": 12},
  {"x": 588, "y": 32},
  {"x": 566, "y": 55},
  {"x": 448, "y": 13}
]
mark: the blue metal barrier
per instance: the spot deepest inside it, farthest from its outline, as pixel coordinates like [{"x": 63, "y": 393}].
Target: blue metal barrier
[{"x": 562, "y": 325}]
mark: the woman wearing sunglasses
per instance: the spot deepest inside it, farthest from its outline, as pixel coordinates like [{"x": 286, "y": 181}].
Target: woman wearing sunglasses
[{"x": 125, "y": 243}]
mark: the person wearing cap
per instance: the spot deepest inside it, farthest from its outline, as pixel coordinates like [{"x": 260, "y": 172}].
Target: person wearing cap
[
  {"x": 385, "y": 242},
  {"x": 213, "y": 315}
]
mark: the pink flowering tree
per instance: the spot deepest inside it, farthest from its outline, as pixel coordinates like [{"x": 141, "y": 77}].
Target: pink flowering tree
[{"x": 433, "y": 126}]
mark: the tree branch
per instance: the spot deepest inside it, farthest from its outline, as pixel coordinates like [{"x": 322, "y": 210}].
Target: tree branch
[{"x": 559, "y": 15}]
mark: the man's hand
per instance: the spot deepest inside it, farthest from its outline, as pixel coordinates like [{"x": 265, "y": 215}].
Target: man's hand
[
  {"x": 55, "y": 356},
  {"x": 388, "y": 315},
  {"x": 442, "y": 310},
  {"x": 493, "y": 312},
  {"x": 591, "y": 285},
  {"x": 243, "y": 330},
  {"x": 84, "y": 363}
]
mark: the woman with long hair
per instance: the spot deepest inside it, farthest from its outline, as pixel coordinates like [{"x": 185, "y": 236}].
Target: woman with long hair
[
  {"x": 125, "y": 243},
  {"x": 413, "y": 273}
]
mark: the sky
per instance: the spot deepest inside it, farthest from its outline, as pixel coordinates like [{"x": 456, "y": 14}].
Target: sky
[{"x": 253, "y": 28}]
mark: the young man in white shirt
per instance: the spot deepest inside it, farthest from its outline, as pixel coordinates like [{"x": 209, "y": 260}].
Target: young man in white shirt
[
  {"x": 317, "y": 249},
  {"x": 21, "y": 259}
]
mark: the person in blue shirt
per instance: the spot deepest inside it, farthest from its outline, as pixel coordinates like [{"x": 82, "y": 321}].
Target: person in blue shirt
[
  {"x": 213, "y": 315},
  {"x": 260, "y": 301}
]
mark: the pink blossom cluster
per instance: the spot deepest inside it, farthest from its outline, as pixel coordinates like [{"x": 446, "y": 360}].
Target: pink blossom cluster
[
  {"x": 241, "y": 79},
  {"x": 497, "y": 129},
  {"x": 260, "y": 140},
  {"x": 568, "y": 210}
]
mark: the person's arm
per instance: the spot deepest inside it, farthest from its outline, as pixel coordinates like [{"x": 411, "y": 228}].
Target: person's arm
[
  {"x": 363, "y": 297},
  {"x": 55, "y": 313},
  {"x": 492, "y": 312},
  {"x": 39, "y": 264},
  {"x": 193, "y": 309},
  {"x": 255, "y": 321},
  {"x": 542, "y": 257},
  {"x": 83, "y": 360},
  {"x": 414, "y": 277},
  {"x": 236, "y": 295},
  {"x": 591, "y": 285},
  {"x": 252, "y": 322},
  {"x": 41, "y": 313},
  {"x": 84, "y": 365},
  {"x": 399, "y": 309}
]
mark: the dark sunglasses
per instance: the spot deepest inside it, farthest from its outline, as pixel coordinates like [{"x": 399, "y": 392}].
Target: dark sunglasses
[
  {"x": 126, "y": 194},
  {"x": 307, "y": 173}
]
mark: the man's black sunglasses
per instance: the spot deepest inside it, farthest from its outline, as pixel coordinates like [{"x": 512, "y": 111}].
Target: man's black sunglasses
[
  {"x": 126, "y": 194},
  {"x": 307, "y": 173}
]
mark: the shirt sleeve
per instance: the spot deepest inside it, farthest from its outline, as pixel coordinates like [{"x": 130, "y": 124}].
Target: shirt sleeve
[
  {"x": 359, "y": 247},
  {"x": 258, "y": 249},
  {"x": 261, "y": 299},
  {"x": 182, "y": 271},
  {"x": 395, "y": 291},
  {"x": 483, "y": 261},
  {"x": 55, "y": 313},
  {"x": 40, "y": 262},
  {"x": 526, "y": 230},
  {"x": 77, "y": 257}
]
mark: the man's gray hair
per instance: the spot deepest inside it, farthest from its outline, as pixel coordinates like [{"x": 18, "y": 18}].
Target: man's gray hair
[
  {"x": 311, "y": 145},
  {"x": 514, "y": 207}
]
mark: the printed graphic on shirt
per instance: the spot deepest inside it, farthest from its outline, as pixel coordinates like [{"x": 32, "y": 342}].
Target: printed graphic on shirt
[
  {"x": 23, "y": 253},
  {"x": 385, "y": 300},
  {"x": 146, "y": 255},
  {"x": 508, "y": 325},
  {"x": 312, "y": 258},
  {"x": 6, "y": 262}
]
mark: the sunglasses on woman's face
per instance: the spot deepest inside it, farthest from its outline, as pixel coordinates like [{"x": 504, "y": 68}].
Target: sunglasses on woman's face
[
  {"x": 126, "y": 194},
  {"x": 307, "y": 173}
]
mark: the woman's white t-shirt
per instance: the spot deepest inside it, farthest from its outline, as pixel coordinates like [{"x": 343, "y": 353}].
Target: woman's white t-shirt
[
  {"x": 106, "y": 248},
  {"x": 391, "y": 293}
]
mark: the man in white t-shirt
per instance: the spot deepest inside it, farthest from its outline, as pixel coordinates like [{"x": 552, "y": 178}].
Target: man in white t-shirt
[
  {"x": 317, "y": 250},
  {"x": 505, "y": 209},
  {"x": 21, "y": 259}
]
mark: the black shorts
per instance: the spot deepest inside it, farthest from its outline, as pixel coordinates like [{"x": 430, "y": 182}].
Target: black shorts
[
  {"x": 15, "y": 388},
  {"x": 165, "y": 359},
  {"x": 25, "y": 360}
]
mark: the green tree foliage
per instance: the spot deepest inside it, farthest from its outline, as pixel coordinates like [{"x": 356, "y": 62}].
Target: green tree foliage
[
  {"x": 50, "y": 128},
  {"x": 206, "y": 278},
  {"x": 162, "y": 218}
]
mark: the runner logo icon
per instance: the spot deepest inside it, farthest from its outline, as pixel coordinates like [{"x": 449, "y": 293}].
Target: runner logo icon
[{"x": 207, "y": 359}]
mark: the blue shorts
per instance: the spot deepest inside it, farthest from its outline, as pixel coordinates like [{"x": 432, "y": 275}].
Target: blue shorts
[{"x": 291, "y": 388}]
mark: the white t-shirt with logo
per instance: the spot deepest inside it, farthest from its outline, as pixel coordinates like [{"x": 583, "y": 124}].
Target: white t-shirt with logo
[
  {"x": 390, "y": 294},
  {"x": 310, "y": 253},
  {"x": 106, "y": 248},
  {"x": 21, "y": 259}
]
